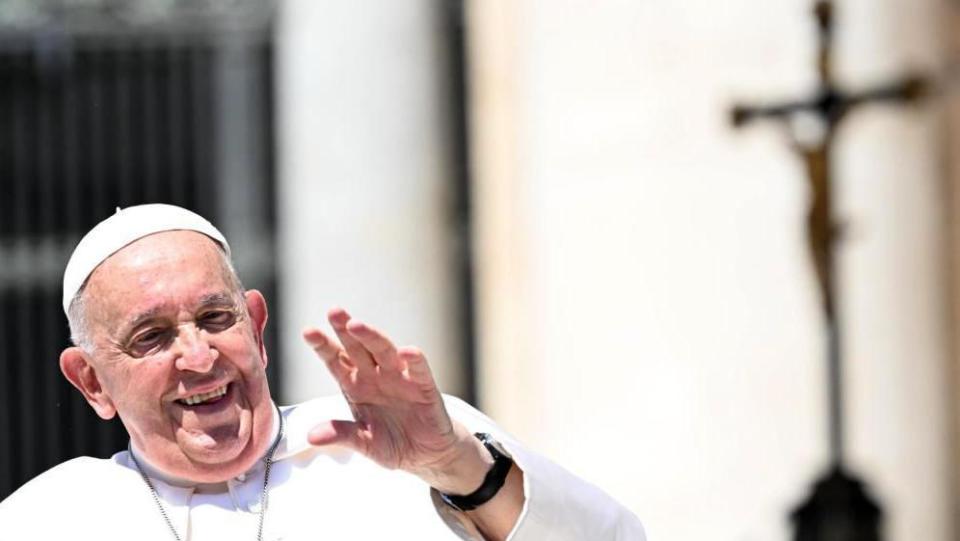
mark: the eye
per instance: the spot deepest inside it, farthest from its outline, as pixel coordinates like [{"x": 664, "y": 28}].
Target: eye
[
  {"x": 147, "y": 341},
  {"x": 217, "y": 320}
]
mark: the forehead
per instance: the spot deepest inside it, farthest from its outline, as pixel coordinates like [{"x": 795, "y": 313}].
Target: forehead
[{"x": 171, "y": 268}]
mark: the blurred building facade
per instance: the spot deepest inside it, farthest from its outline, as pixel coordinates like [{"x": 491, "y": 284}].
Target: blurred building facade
[
  {"x": 105, "y": 105},
  {"x": 645, "y": 310}
]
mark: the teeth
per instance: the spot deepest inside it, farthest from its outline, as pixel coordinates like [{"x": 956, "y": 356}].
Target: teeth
[{"x": 203, "y": 397}]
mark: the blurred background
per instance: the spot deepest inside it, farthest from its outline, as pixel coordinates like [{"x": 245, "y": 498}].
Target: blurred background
[{"x": 550, "y": 199}]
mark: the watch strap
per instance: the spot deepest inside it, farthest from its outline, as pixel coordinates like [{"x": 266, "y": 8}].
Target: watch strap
[{"x": 492, "y": 482}]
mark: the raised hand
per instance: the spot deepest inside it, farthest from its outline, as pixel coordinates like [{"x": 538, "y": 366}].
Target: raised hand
[{"x": 399, "y": 417}]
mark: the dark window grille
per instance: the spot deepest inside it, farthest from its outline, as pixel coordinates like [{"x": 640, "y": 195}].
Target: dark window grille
[{"x": 94, "y": 120}]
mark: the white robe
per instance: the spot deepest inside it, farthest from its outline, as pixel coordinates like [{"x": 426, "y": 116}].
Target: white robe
[{"x": 328, "y": 493}]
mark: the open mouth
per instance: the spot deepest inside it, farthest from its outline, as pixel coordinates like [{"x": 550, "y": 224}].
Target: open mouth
[{"x": 211, "y": 397}]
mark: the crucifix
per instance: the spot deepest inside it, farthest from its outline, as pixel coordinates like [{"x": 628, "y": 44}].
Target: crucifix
[{"x": 838, "y": 509}]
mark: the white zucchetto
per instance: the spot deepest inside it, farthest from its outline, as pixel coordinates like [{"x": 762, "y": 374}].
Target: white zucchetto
[{"x": 124, "y": 227}]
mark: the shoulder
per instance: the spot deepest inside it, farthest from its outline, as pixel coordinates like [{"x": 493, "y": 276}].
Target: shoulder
[
  {"x": 300, "y": 418},
  {"x": 336, "y": 407},
  {"x": 64, "y": 501},
  {"x": 331, "y": 405},
  {"x": 66, "y": 474},
  {"x": 74, "y": 481}
]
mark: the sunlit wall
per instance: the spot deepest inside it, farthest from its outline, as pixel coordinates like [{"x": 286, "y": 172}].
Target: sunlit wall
[{"x": 647, "y": 311}]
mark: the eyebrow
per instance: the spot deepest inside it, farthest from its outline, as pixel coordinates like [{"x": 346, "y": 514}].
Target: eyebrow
[
  {"x": 139, "y": 319},
  {"x": 211, "y": 299},
  {"x": 217, "y": 299}
]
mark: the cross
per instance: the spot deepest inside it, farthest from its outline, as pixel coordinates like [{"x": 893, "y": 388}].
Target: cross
[{"x": 829, "y": 107}]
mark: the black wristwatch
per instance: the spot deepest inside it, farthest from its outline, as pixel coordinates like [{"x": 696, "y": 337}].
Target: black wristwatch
[{"x": 492, "y": 483}]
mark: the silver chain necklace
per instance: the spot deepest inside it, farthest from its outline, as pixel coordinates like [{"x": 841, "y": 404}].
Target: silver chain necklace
[{"x": 267, "y": 463}]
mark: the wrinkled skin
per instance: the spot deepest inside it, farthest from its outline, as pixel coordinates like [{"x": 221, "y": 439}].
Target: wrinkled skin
[{"x": 167, "y": 322}]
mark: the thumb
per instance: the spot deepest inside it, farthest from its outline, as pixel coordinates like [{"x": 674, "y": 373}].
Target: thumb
[{"x": 336, "y": 432}]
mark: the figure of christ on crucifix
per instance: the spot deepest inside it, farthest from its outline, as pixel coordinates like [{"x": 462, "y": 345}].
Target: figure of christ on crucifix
[
  {"x": 828, "y": 107},
  {"x": 838, "y": 500}
]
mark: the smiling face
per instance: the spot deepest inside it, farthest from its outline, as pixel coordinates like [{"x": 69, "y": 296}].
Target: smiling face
[{"x": 178, "y": 354}]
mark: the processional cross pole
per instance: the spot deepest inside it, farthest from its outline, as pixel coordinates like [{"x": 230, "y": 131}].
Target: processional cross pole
[
  {"x": 838, "y": 509},
  {"x": 830, "y": 106}
]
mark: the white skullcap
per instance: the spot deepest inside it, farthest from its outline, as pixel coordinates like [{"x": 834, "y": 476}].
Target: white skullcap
[{"x": 124, "y": 227}]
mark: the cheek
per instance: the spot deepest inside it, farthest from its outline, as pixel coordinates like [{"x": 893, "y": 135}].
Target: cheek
[
  {"x": 242, "y": 350},
  {"x": 138, "y": 388}
]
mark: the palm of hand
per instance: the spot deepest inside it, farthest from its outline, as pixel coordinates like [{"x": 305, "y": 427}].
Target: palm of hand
[{"x": 399, "y": 417}]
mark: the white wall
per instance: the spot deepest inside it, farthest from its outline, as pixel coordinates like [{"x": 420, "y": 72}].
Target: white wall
[
  {"x": 364, "y": 172},
  {"x": 647, "y": 313}
]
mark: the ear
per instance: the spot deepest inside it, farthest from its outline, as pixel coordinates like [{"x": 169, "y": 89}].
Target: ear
[
  {"x": 257, "y": 307},
  {"x": 79, "y": 371}
]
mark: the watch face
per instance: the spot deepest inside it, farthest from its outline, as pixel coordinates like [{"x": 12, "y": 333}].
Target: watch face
[{"x": 489, "y": 442}]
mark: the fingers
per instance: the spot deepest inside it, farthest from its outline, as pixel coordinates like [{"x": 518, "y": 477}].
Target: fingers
[
  {"x": 359, "y": 356},
  {"x": 414, "y": 363},
  {"x": 371, "y": 346},
  {"x": 380, "y": 347},
  {"x": 365, "y": 348},
  {"x": 331, "y": 353}
]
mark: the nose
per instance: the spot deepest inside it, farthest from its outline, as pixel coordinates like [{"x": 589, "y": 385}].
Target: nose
[{"x": 194, "y": 352}]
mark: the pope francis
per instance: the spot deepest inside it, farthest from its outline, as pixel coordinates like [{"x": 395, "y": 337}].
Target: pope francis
[{"x": 166, "y": 337}]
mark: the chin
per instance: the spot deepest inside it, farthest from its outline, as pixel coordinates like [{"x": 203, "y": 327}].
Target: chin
[{"x": 219, "y": 457}]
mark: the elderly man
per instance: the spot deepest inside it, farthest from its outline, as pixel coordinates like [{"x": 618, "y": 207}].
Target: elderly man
[{"x": 166, "y": 337}]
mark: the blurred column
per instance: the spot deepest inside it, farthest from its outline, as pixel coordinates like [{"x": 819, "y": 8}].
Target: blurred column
[
  {"x": 647, "y": 310},
  {"x": 951, "y": 95},
  {"x": 365, "y": 190}
]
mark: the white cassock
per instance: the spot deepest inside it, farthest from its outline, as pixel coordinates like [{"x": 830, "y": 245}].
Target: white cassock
[{"x": 328, "y": 493}]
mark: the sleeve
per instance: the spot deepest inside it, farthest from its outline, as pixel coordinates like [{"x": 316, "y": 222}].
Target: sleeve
[{"x": 558, "y": 505}]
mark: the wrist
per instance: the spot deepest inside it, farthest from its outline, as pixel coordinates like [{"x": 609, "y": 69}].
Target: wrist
[
  {"x": 464, "y": 471},
  {"x": 493, "y": 481}
]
